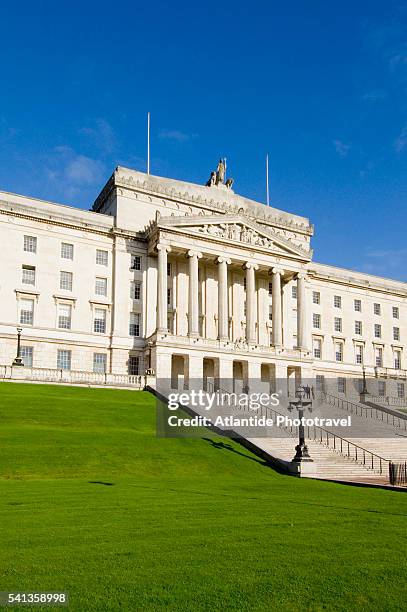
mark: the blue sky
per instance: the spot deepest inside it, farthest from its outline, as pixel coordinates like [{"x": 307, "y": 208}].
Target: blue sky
[{"x": 320, "y": 86}]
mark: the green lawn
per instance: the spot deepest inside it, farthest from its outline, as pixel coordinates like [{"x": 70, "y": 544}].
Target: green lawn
[{"x": 91, "y": 502}]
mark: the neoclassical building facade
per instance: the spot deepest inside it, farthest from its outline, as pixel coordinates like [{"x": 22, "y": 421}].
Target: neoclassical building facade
[{"x": 192, "y": 282}]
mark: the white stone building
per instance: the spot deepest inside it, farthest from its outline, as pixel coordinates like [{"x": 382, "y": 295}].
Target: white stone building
[{"x": 193, "y": 282}]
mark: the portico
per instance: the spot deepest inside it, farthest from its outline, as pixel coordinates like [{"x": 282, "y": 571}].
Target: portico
[{"x": 229, "y": 300}]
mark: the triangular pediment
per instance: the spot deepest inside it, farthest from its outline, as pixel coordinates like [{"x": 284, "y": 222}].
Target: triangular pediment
[{"x": 235, "y": 229}]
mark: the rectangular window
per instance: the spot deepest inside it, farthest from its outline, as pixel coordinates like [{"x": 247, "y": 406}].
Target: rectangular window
[
  {"x": 359, "y": 353},
  {"x": 400, "y": 390},
  {"x": 134, "y": 365},
  {"x": 337, "y": 301},
  {"x": 30, "y": 244},
  {"x": 270, "y": 288},
  {"x": 395, "y": 312},
  {"x": 316, "y": 320},
  {"x": 26, "y": 312},
  {"x": 381, "y": 388},
  {"x": 294, "y": 292},
  {"x": 65, "y": 280},
  {"x": 99, "y": 362},
  {"x": 134, "y": 327},
  {"x": 397, "y": 360},
  {"x": 135, "y": 262},
  {"x": 28, "y": 275},
  {"x": 270, "y": 313},
  {"x": 99, "y": 321},
  {"x": 316, "y": 297},
  {"x": 396, "y": 333},
  {"x": 341, "y": 385},
  {"x": 338, "y": 324},
  {"x": 66, "y": 250},
  {"x": 338, "y": 351},
  {"x": 27, "y": 353},
  {"x": 101, "y": 286},
  {"x": 320, "y": 382},
  {"x": 376, "y": 309},
  {"x": 379, "y": 357},
  {"x": 358, "y": 305},
  {"x": 137, "y": 291},
  {"x": 168, "y": 297},
  {"x": 63, "y": 360},
  {"x": 169, "y": 269},
  {"x": 317, "y": 345},
  {"x": 244, "y": 283},
  {"x": 101, "y": 257},
  {"x": 377, "y": 330},
  {"x": 358, "y": 328},
  {"x": 64, "y": 316}
]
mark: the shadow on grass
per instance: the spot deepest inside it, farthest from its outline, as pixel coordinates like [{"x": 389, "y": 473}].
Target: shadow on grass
[
  {"x": 100, "y": 482},
  {"x": 223, "y": 446}
]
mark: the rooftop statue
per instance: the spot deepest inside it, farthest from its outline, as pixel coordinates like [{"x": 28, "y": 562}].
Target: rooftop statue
[{"x": 217, "y": 177}]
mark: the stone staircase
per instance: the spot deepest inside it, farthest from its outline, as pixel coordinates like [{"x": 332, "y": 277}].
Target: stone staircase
[{"x": 327, "y": 464}]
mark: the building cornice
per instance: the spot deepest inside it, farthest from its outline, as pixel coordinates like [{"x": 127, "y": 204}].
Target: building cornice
[{"x": 237, "y": 205}]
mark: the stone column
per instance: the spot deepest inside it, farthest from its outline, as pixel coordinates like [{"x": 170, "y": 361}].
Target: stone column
[
  {"x": 223, "y": 306},
  {"x": 250, "y": 302},
  {"x": 193, "y": 296},
  {"x": 162, "y": 311},
  {"x": 277, "y": 330},
  {"x": 302, "y": 312}
]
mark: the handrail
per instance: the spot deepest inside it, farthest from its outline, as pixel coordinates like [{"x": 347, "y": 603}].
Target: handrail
[
  {"x": 349, "y": 444},
  {"x": 367, "y": 412},
  {"x": 359, "y": 451}
]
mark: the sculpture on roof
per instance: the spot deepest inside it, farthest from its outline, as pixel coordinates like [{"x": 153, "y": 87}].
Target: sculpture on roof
[{"x": 218, "y": 177}]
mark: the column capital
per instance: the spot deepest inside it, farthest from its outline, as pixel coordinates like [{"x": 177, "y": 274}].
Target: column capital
[
  {"x": 193, "y": 253},
  {"x": 302, "y": 275},
  {"x": 250, "y": 265},
  {"x": 225, "y": 260},
  {"x": 276, "y": 270},
  {"x": 163, "y": 247}
]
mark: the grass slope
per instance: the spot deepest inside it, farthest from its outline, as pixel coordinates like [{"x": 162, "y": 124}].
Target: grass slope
[{"x": 91, "y": 502}]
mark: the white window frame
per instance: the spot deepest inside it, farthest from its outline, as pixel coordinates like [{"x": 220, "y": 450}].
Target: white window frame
[
  {"x": 67, "y": 250},
  {"x": 28, "y": 274},
  {"x": 101, "y": 286},
  {"x": 102, "y": 257},
  {"x": 64, "y": 359},
  {"x": 99, "y": 322},
  {"x": 26, "y": 316},
  {"x": 24, "y": 350},
  {"x": 64, "y": 316},
  {"x": 30, "y": 244},
  {"x": 65, "y": 280},
  {"x": 100, "y": 363},
  {"x": 135, "y": 325}
]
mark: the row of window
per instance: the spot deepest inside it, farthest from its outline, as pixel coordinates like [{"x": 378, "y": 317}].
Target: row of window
[
  {"x": 65, "y": 280},
  {"x": 64, "y": 360},
  {"x": 64, "y": 318},
  {"x": 338, "y": 349},
  {"x": 67, "y": 252},
  {"x": 337, "y": 302},
  {"x": 381, "y": 385},
  {"x": 316, "y": 322}
]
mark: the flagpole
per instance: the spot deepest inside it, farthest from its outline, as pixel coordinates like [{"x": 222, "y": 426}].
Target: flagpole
[
  {"x": 148, "y": 143},
  {"x": 267, "y": 181},
  {"x": 224, "y": 162}
]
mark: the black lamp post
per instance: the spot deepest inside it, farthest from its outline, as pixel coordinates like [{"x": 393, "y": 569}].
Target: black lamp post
[
  {"x": 18, "y": 359},
  {"x": 301, "y": 403}
]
